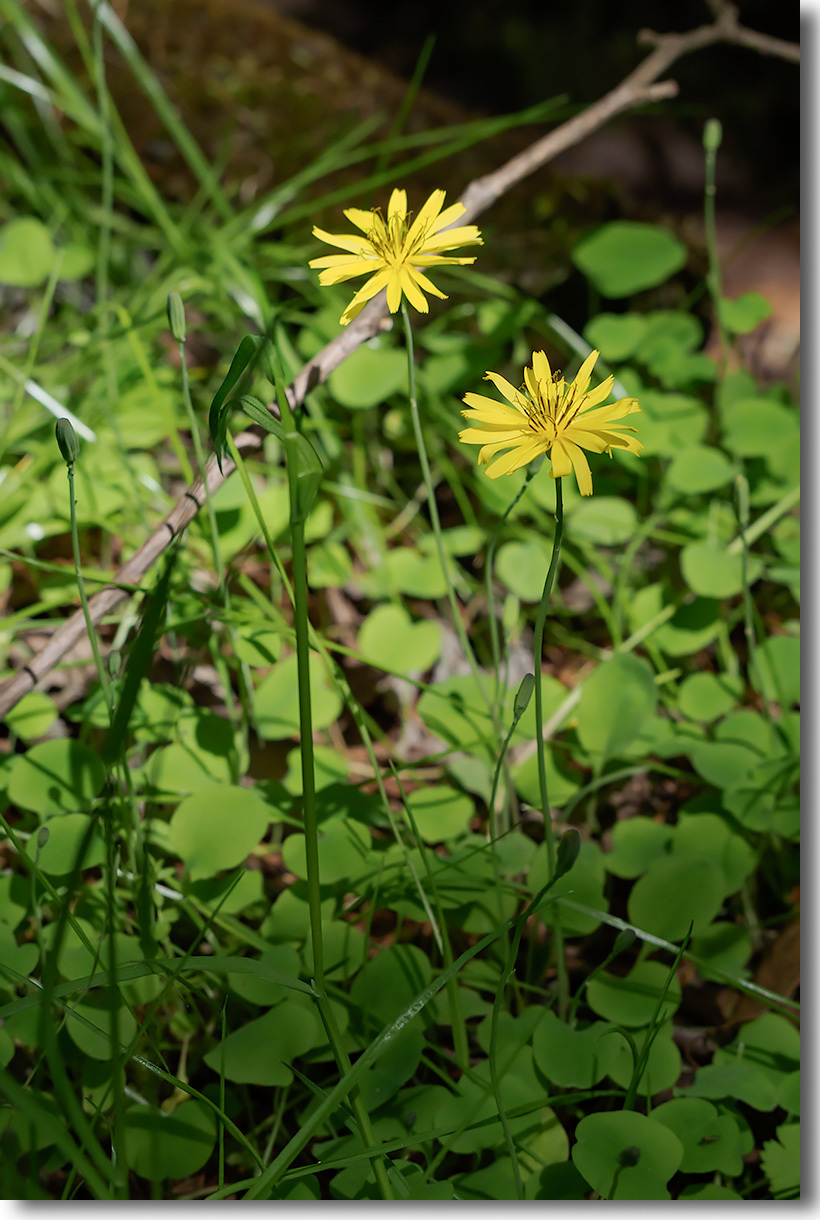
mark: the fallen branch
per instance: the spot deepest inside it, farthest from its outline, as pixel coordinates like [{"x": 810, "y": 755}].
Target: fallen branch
[{"x": 639, "y": 88}]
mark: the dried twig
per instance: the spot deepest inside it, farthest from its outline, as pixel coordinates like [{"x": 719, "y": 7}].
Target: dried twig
[{"x": 639, "y": 88}]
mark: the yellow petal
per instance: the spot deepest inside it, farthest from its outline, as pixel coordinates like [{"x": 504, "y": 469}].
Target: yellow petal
[
  {"x": 393, "y": 292},
  {"x": 336, "y": 275},
  {"x": 467, "y": 235},
  {"x": 361, "y": 219},
  {"x": 492, "y": 436},
  {"x": 541, "y": 366},
  {"x": 508, "y": 390},
  {"x": 425, "y": 284},
  {"x": 599, "y": 394},
  {"x": 582, "y": 379},
  {"x": 368, "y": 290},
  {"x": 561, "y": 463},
  {"x": 520, "y": 456},
  {"x": 413, "y": 293},
  {"x": 397, "y": 205},
  {"x": 581, "y": 467},
  {"x": 426, "y": 216},
  {"x": 447, "y": 217},
  {"x": 345, "y": 241},
  {"x": 609, "y": 413},
  {"x": 441, "y": 260}
]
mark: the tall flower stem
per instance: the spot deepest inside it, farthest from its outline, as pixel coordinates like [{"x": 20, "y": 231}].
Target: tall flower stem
[
  {"x": 310, "y": 815},
  {"x": 105, "y": 685},
  {"x": 538, "y": 649},
  {"x": 436, "y": 520}
]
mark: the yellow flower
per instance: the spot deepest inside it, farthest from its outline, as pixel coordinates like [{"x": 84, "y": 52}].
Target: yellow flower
[
  {"x": 395, "y": 250},
  {"x": 548, "y": 416}
]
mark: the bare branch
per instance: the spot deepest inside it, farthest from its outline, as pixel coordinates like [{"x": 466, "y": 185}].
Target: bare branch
[{"x": 640, "y": 87}]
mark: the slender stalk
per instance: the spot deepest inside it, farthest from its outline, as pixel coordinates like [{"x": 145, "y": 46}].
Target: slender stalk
[
  {"x": 309, "y": 808},
  {"x": 105, "y": 685},
  {"x": 434, "y": 517},
  {"x": 712, "y": 137},
  {"x": 538, "y": 650}
]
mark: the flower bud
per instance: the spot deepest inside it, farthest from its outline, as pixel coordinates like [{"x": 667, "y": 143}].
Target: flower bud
[
  {"x": 67, "y": 441},
  {"x": 176, "y": 316},
  {"x": 712, "y": 135}
]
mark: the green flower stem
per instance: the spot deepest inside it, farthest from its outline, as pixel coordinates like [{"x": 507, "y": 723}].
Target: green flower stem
[
  {"x": 538, "y": 651},
  {"x": 309, "y": 808},
  {"x": 105, "y": 685},
  {"x": 434, "y": 517}
]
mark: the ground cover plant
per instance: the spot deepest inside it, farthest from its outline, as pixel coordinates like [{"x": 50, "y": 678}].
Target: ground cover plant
[{"x": 401, "y": 686}]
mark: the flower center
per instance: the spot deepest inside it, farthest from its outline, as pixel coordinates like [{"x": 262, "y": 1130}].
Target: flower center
[{"x": 389, "y": 240}]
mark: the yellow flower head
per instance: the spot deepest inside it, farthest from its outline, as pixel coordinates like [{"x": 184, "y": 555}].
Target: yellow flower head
[
  {"x": 548, "y": 416},
  {"x": 393, "y": 252}
]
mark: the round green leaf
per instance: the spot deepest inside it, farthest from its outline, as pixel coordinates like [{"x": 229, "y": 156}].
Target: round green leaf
[
  {"x": 626, "y": 256},
  {"x": 636, "y": 844},
  {"x": 572, "y": 1058},
  {"x": 712, "y": 571},
  {"x": 260, "y": 648},
  {"x": 175, "y": 1145},
  {"x": 606, "y": 1148},
  {"x": 440, "y": 812},
  {"x": 395, "y": 1067},
  {"x": 704, "y": 696},
  {"x": 523, "y": 568},
  {"x": 65, "y": 835},
  {"x": 745, "y": 313},
  {"x": 632, "y": 1000},
  {"x": 776, "y": 672},
  {"x": 606, "y": 520},
  {"x": 584, "y": 884},
  {"x": 675, "y": 892},
  {"x": 389, "y": 640},
  {"x": 217, "y": 828},
  {"x": 54, "y": 777},
  {"x": 32, "y": 717},
  {"x": 723, "y": 946},
  {"x": 260, "y": 1051},
  {"x": 709, "y": 837},
  {"x": 387, "y": 983},
  {"x": 671, "y": 422},
  {"x": 281, "y": 959},
  {"x": 330, "y": 565},
  {"x": 89, "y": 1024},
  {"x": 616, "y": 699},
  {"x": 616, "y": 335},
  {"x": 755, "y": 426},
  {"x": 662, "y": 1068},
  {"x": 372, "y": 374},
  {"x": 698, "y": 469},
  {"x": 276, "y": 699},
  {"x": 711, "y": 1141},
  {"x": 26, "y": 253},
  {"x": 416, "y": 575},
  {"x": 343, "y": 850}
]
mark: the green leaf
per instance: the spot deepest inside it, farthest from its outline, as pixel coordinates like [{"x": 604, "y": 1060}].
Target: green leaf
[
  {"x": 281, "y": 959},
  {"x": 605, "y": 520},
  {"x": 572, "y": 1058},
  {"x": 389, "y": 640},
  {"x": 698, "y": 469},
  {"x": 605, "y": 1155},
  {"x": 32, "y": 717},
  {"x": 670, "y": 422},
  {"x": 616, "y": 699},
  {"x": 745, "y": 313},
  {"x": 663, "y": 1065},
  {"x": 216, "y": 828},
  {"x": 329, "y": 565},
  {"x": 781, "y": 1160},
  {"x": 220, "y": 406},
  {"x": 60, "y": 776},
  {"x": 755, "y": 426},
  {"x": 387, "y": 983},
  {"x": 705, "y": 696},
  {"x": 158, "y": 1145},
  {"x": 260, "y": 1051},
  {"x": 343, "y": 851},
  {"x": 523, "y": 568},
  {"x": 616, "y": 335},
  {"x": 775, "y": 671},
  {"x": 631, "y": 1000},
  {"x": 674, "y": 893},
  {"x": 440, "y": 812},
  {"x": 369, "y": 377},
  {"x": 66, "y": 833},
  {"x": 711, "y": 1141},
  {"x": 636, "y": 844},
  {"x": 713, "y": 571},
  {"x": 26, "y": 253},
  {"x": 276, "y": 699},
  {"x": 625, "y": 256}
]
